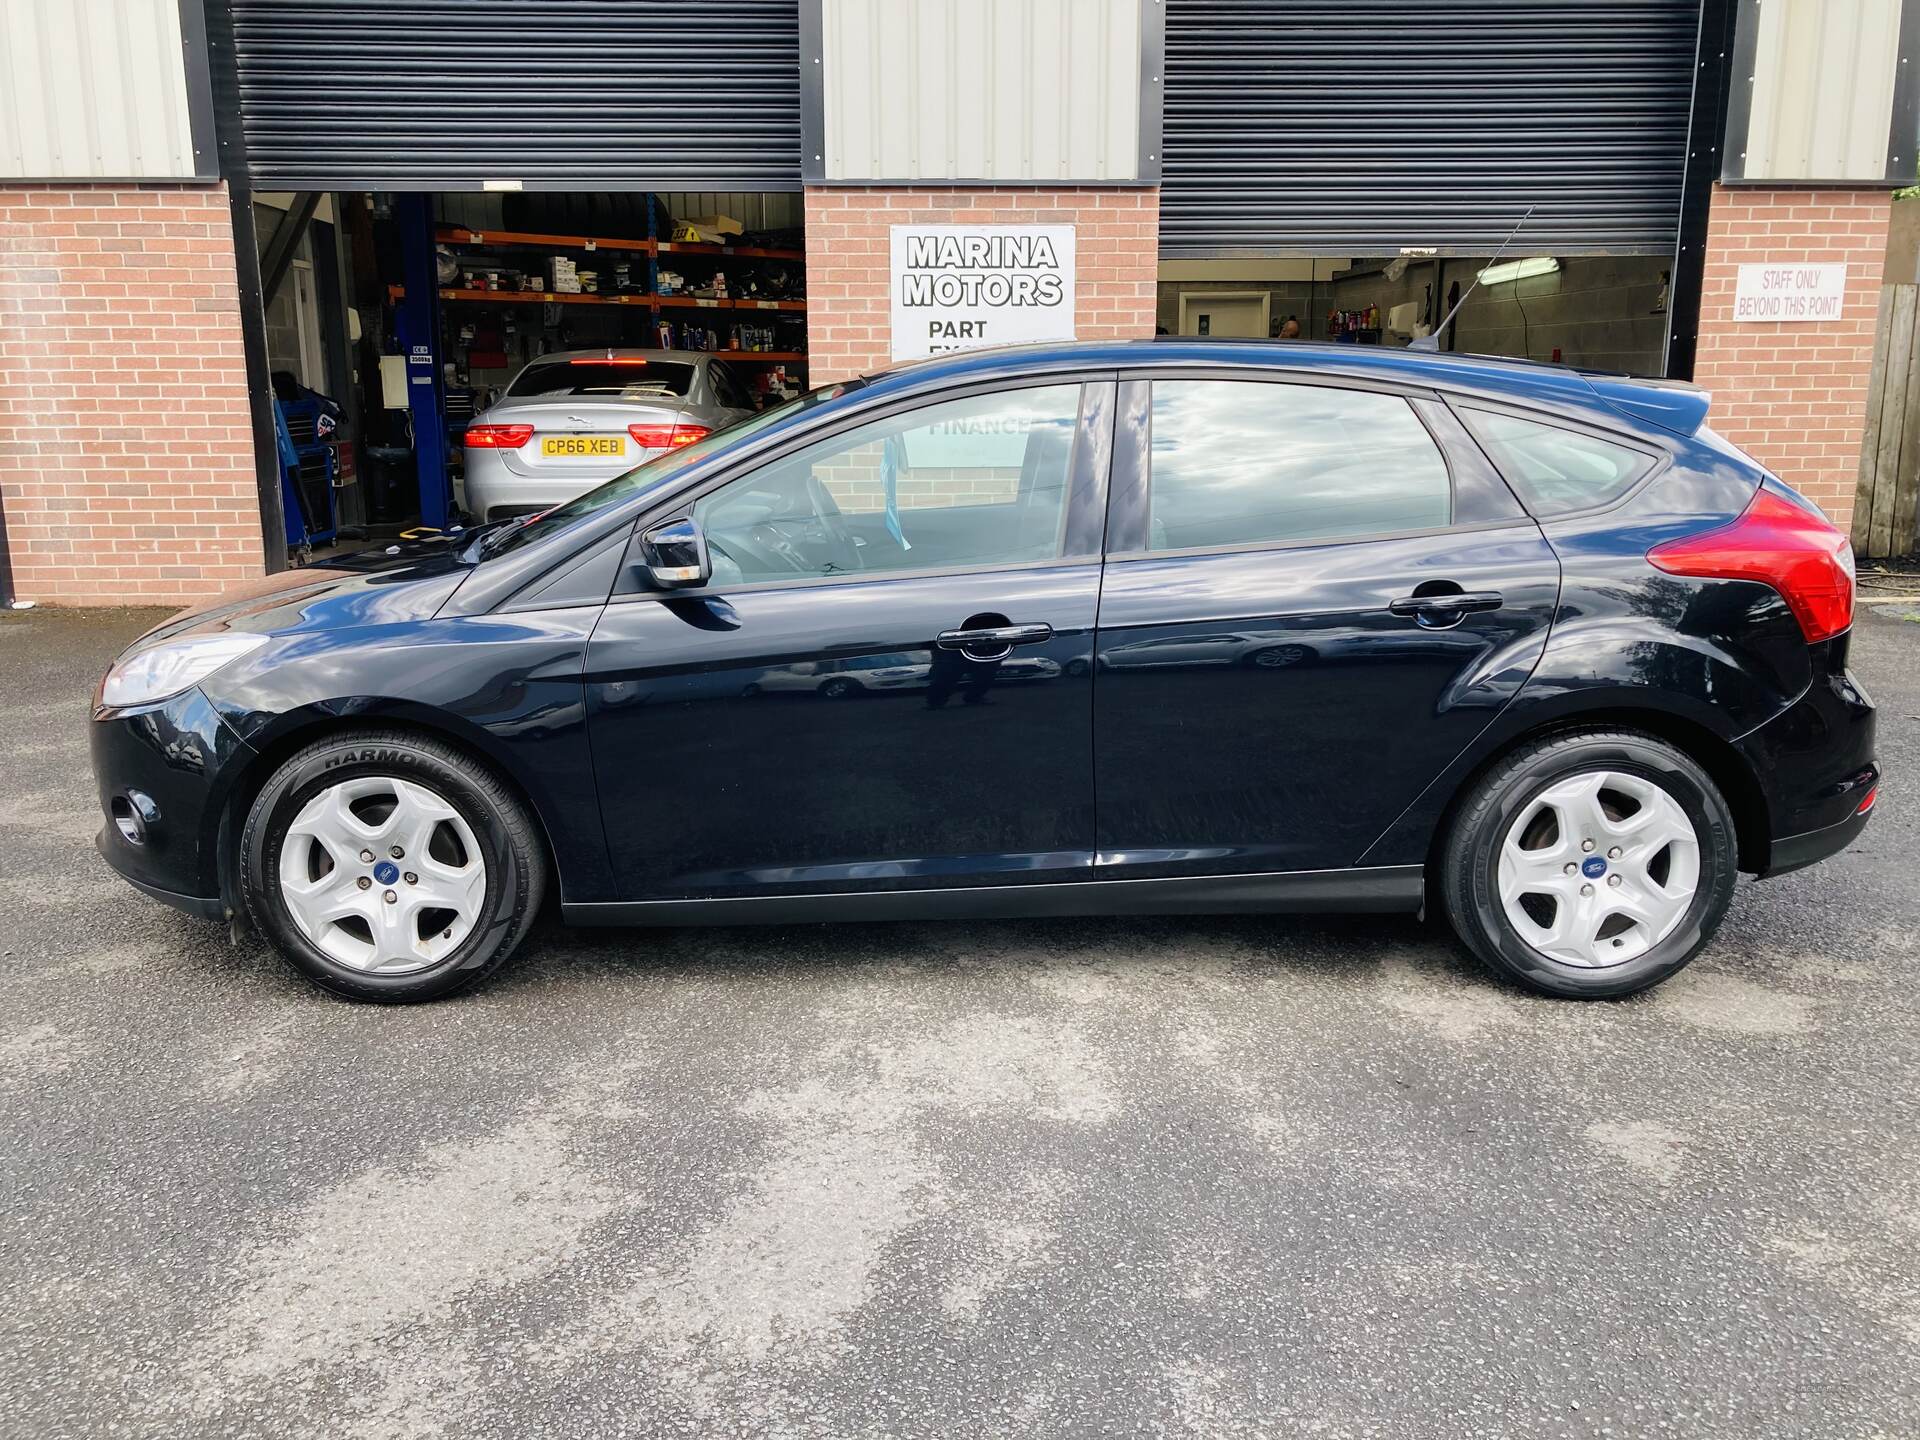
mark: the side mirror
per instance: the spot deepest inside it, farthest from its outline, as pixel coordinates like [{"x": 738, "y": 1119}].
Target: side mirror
[{"x": 674, "y": 554}]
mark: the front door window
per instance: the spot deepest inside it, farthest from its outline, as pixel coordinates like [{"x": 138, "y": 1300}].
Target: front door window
[{"x": 978, "y": 481}]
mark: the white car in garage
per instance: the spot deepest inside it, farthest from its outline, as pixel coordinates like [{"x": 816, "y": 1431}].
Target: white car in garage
[{"x": 576, "y": 418}]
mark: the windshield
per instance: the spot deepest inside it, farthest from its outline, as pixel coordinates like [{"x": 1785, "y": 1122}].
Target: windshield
[
  {"x": 652, "y": 475},
  {"x": 618, "y": 377}
]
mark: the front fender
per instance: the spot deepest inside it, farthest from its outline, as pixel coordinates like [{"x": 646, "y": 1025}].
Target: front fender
[{"x": 507, "y": 687}]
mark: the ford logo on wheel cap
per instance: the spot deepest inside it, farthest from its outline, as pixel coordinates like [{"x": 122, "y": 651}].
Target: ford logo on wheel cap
[
  {"x": 386, "y": 872},
  {"x": 1593, "y": 867}
]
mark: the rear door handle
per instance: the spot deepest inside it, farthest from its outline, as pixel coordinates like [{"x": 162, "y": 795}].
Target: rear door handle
[
  {"x": 1446, "y": 609},
  {"x": 997, "y": 640}
]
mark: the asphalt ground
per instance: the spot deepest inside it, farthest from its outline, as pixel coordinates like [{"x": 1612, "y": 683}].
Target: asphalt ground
[{"x": 1221, "y": 1176}]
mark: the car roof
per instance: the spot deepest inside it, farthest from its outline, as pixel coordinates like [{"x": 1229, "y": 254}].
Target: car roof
[
  {"x": 620, "y": 352},
  {"x": 1671, "y": 406}
]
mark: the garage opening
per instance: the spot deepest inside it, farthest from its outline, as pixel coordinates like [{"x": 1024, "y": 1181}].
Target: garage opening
[
  {"x": 447, "y": 359},
  {"x": 1604, "y": 312},
  {"x": 1353, "y": 166}
]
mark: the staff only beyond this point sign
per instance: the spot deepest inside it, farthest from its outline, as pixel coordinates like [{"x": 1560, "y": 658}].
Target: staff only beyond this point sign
[
  {"x": 956, "y": 287},
  {"x": 1803, "y": 293}
]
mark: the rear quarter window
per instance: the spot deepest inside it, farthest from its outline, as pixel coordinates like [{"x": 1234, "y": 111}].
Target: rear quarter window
[{"x": 1558, "y": 471}]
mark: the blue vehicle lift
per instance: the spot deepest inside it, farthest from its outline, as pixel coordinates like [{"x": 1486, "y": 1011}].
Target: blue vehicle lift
[
  {"x": 417, "y": 319},
  {"x": 306, "y": 475}
]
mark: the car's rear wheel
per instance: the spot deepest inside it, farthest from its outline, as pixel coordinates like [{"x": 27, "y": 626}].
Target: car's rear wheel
[
  {"x": 1591, "y": 863},
  {"x": 390, "y": 867}
]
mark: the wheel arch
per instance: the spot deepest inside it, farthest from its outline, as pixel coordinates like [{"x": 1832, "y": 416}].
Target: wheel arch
[
  {"x": 304, "y": 730},
  {"x": 1724, "y": 765}
]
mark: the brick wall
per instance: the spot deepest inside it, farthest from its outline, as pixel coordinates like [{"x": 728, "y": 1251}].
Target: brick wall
[
  {"x": 126, "y": 456},
  {"x": 1794, "y": 395},
  {"x": 1116, "y": 244}
]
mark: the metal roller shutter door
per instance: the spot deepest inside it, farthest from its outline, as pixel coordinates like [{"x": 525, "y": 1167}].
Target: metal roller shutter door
[
  {"x": 1362, "y": 126},
  {"x": 556, "y": 94}
]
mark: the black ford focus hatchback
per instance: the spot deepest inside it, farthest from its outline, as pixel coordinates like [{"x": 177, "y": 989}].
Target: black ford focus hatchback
[{"x": 1097, "y": 629}]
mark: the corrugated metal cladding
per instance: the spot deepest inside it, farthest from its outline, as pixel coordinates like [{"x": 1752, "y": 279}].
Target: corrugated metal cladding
[
  {"x": 553, "y": 94},
  {"x": 93, "y": 89},
  {"x": 1822, "y": 98},
  {"x": 1363, "y": 126},
  {"x": 1008, "y": 90}
]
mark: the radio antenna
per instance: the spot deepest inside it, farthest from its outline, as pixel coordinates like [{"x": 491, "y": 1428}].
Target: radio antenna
[{"x": 1431, "y": 340}]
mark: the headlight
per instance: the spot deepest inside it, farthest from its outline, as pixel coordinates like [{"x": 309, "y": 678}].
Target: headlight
[{"x": 165, "y": 669}]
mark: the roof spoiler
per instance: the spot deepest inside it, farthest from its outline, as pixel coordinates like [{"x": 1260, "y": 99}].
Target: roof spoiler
[{"x": 1671, "y": 404}]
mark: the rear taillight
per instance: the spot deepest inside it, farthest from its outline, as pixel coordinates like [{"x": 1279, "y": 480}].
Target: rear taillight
[
  {"x": 1781, "y": 544},
  {"x": 498, "y": 437},
  {"x": 666, "y": 437}
]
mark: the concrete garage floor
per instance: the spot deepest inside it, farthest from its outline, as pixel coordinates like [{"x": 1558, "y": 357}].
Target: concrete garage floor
[{"x": 1216, "y": 1176}]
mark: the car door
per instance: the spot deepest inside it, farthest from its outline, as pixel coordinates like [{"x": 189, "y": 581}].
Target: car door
[
  {"x": 887, "y": 683},
  {"x": 1317, "y": 594}
]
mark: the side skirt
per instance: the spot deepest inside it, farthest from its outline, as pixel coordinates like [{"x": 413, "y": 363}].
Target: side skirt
[{"x": 1386, "y": 888}]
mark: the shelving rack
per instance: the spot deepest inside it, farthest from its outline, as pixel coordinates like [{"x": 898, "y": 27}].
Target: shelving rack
[{"x": 651, "y": 299}]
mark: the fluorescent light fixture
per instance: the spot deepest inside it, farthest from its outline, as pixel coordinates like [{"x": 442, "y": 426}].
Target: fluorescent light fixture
[{"x": 1519, "y": 270}]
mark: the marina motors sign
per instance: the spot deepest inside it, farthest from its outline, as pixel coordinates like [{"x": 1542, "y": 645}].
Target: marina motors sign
[{"x": 959, "y": 286}]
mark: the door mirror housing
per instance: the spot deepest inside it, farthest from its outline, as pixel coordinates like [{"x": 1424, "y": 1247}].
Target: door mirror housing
[{"x": 674, "y": 554}]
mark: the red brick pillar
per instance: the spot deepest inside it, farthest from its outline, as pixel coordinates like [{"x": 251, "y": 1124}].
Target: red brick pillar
[
  {"x": 126, "y": 450},
  {"x": 1794, "y": 396},
  {"x": 1116, "y": 243}
]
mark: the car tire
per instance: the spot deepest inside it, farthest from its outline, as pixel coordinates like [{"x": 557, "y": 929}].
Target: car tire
[
  {"x": 1518, "y": 828},
  {"x": 840, "y": 688},
  {"x": 412, "y": 785}
]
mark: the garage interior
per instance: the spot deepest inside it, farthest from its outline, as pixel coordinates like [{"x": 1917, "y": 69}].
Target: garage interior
[
  {"x": 373, "y": 422},
  {"x": 1601, "y": 312}
]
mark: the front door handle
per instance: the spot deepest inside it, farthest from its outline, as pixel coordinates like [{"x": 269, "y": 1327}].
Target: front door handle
[
  {"x": 992, "y": 642},
  {"x": 1446, "y": 609}
]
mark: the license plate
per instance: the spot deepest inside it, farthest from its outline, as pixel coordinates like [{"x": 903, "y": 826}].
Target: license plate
[{"x": 605, "y": 445}]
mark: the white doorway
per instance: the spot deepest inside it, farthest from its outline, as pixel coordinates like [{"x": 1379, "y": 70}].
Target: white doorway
[{"x": 1243, "y": 314}]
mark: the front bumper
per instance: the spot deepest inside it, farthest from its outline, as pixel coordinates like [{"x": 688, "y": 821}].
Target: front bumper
[
  {"x": 167, "y": 769},
  {"x": 204, "y": 906}
]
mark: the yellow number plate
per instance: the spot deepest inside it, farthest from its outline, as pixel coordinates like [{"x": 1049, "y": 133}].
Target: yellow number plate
[{"x": 583, "y": 445}]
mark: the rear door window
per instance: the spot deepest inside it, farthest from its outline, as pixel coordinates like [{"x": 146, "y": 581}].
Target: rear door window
[
  {"x": 1557, "y": 470},
  {"x": 1252, "y": 462},
  {"x": 602, "y": 379}
]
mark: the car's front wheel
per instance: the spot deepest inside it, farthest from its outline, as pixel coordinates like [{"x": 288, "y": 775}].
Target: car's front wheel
[
  {"x": 391, "y": 867},
  {"x": 1591, "y": 863}
]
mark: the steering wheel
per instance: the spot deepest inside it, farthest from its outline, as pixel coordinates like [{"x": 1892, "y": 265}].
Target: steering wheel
[{"x": 843, "y": 552}]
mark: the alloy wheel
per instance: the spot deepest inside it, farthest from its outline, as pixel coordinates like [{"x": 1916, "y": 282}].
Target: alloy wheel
[
  {"x": 1598, "y": 868},
  {"x": 382, "y": 874}
]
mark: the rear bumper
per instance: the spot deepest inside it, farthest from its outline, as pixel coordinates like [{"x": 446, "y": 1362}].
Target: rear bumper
[
  {"x": 1796, "y": 852},
  {"x": 1816, "y": 764},
  {"x": 491, "y": 485}
]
